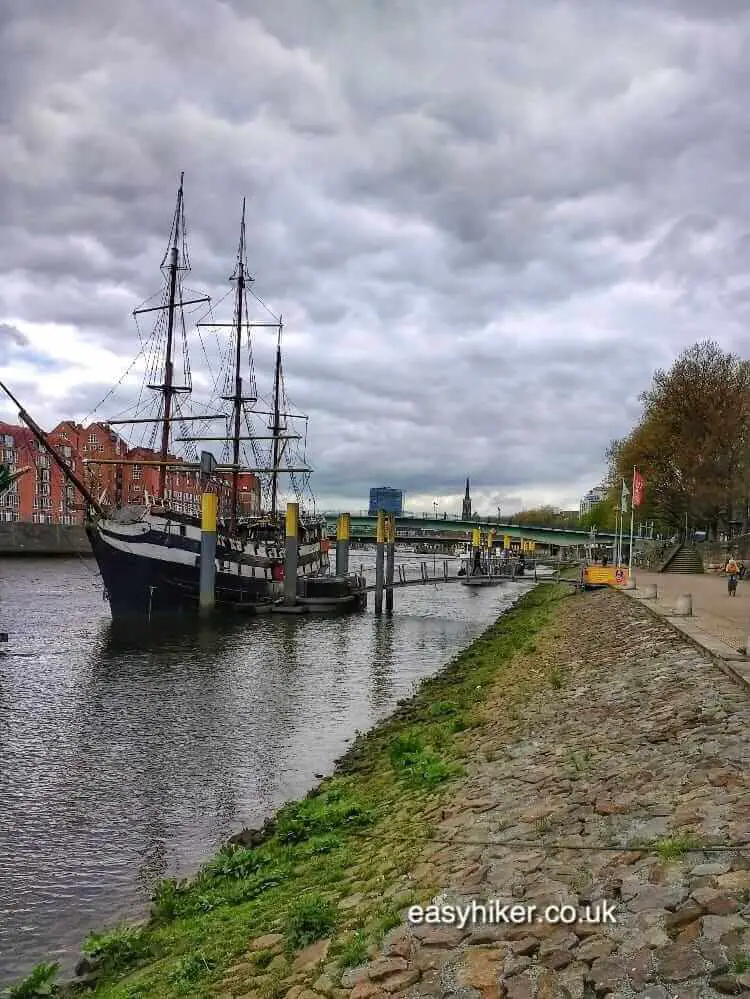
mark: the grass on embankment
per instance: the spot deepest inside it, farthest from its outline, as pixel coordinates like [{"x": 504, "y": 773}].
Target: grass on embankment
[{"x": 350, "y": 841}]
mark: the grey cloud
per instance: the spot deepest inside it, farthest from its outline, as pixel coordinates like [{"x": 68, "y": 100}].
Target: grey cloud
[
  {"x": 10, "y": 335},
  {"x": 484, "y": 225},
  {"x": 14, "y": 345}
]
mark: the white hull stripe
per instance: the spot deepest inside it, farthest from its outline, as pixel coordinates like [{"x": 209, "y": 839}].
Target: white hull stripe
[
  {"x": 109, "y": 528},
  {"x": 183, "y": 557}
]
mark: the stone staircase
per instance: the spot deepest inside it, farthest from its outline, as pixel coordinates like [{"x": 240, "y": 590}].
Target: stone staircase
[{"x": 682, "y": 558}]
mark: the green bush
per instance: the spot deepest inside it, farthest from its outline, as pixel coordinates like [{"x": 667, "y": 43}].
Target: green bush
[
  {"x": 116, "y": 949},
  {"x": 190, "y": 969},
  {"x": 234, "y": 862},
  {"x": 41, "y": 982},
  {"x": 310, "y": 918},
  {"x": 420, "y": 765},
  {"x": 353, "y": 950},
  {"x": 333, "y": 810}
]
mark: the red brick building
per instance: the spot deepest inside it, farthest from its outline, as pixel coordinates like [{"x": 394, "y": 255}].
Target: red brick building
[{"x": 44, "y": 496}]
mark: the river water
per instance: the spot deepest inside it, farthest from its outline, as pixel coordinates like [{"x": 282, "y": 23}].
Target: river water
[{"x": 124, "y": 760}]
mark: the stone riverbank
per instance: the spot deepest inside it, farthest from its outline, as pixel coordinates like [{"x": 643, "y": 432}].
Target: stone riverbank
[
  {"x": 627, "y": 778},
  {"x": 579, "y": 751}
]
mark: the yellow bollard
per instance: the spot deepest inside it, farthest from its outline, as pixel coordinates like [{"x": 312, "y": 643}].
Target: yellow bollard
[
  {"x": 343, "y": 532},
  {"x": 209, "y": 512},
  {"x": 291, "y": 560}
]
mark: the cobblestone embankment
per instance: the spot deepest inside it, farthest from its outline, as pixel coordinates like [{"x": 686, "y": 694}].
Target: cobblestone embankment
[
  {"x": 579, "y": 751},
  {"x": 625, "y": 777}
]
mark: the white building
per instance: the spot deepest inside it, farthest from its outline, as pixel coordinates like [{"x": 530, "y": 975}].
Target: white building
[{"x": 592, "y": 497}]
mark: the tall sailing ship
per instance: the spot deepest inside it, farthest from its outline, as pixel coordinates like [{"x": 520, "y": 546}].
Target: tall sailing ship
[{"x": 148, "y": 553}]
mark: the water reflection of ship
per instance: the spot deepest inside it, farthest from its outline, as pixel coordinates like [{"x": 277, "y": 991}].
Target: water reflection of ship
[{"x": 239, "y": 713}]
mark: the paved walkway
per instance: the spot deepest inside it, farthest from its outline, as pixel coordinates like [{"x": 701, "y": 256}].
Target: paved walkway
[{"x": 714, "y": 611}]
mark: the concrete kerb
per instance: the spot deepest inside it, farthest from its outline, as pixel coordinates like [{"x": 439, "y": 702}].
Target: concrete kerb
[{"x": 682, "y": 628}]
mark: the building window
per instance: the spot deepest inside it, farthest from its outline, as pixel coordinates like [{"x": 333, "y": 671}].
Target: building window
[
  {"x": 136, "y": 471},
  {"x": 93, "y": 441},
  {"x": 43, "y": 474},
  {"x": 8, "y": 440},
  {"x": 9, "y": 455}
]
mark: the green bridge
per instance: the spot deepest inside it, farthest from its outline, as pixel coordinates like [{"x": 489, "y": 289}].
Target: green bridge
[{"x": 431, "y": 527}]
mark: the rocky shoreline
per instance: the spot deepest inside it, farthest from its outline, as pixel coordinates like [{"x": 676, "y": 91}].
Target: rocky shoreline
[
  {"x": 579, "y": 751},
  {"x": 628, "y": 779}
]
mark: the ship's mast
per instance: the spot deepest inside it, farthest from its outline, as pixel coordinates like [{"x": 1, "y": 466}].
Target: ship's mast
[
  {"x": 276, "y": 427},
  {"x": 277, "y": 418},
  {"x": 167, "y": 387},
  {"x": 237, "y": 398}
]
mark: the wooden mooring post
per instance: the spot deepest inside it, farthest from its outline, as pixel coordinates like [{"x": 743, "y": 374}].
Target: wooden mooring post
[
  {"x": 379, "y": 562},
  {"x": 343, "y": 532},
  {"x": 390, "y": 561}
]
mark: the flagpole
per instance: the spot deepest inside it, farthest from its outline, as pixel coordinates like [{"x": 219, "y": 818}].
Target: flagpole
[
  {"x": 618, "y": 522},
  {"x": 632, "y": 514}
]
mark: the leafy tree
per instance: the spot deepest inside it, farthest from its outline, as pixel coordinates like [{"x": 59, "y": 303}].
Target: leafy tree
[
  {"x": 692, "y": 443},
  {"x": 602, "y": 516},
  {"x": 545, "y": 516},
  {"x": 6, "y": 479}
]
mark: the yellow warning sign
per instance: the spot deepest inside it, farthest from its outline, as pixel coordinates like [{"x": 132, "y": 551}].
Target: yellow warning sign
[{"x": 604, "y": 575}]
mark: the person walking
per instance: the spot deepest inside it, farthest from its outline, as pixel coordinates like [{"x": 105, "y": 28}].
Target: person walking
[{"x": 732, "y": 570}]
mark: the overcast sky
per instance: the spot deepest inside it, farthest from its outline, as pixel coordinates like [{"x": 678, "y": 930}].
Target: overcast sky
[{"x": 484, "y": 222}]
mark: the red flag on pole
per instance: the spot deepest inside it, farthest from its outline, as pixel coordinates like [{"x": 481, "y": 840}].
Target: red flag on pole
[{"x": 639, "y": 486}]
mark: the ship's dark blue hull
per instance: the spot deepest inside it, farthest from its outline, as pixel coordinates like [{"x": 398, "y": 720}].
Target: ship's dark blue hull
[{"x": 139, "y": 586}]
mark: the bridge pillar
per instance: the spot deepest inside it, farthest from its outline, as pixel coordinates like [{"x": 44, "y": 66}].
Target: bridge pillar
[
  {"x": 343, "y": 533},
  {"x": 390, "y": 562},
  {"x": 379, "y": 562}
]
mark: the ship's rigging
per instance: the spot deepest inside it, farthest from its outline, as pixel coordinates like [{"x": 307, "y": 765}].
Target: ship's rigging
[{"x": 233, "y": 400}]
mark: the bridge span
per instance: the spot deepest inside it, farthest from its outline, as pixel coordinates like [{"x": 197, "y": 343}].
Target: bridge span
[{"x": 447, "y": 530}]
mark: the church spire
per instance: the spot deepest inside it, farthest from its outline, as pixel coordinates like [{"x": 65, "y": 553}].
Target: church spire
[{"x": 466, "y": 508}]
